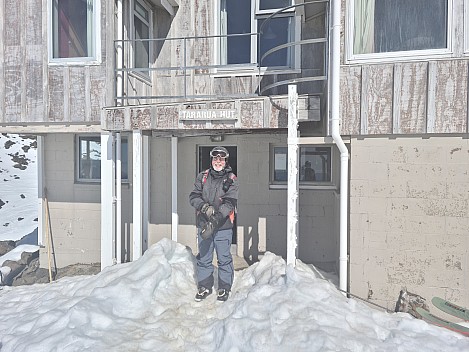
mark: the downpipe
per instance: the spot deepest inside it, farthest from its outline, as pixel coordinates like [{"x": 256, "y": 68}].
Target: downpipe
[{"x": 344, "y": 154}]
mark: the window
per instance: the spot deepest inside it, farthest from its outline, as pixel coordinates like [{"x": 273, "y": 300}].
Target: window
[
  {"x": 241, "y": 19},
  {"x": 314, "y": 164},
  {"x": 390, "y": 26},
  {"x": 89, "y": 158},
  {"x": 74, "y": 30},
  {"x": 141, "y": 52}
]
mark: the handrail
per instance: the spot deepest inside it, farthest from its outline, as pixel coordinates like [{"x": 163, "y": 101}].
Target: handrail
[{"x": 138, "y": 82}]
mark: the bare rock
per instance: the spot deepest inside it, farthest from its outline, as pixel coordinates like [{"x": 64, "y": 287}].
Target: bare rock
[{"x": 6, "y": 246}]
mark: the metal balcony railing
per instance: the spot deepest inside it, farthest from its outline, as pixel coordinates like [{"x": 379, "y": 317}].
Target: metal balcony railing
[{"x": 195, "y": 68}]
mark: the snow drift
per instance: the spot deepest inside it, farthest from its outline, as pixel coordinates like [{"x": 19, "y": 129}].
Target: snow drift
[{"x": 148, "y": 305}]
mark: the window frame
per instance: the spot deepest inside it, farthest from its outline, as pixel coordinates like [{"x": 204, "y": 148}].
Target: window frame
[
  {"x": 252, "y": 67},
  {"x": 95, "y": 37},
  {"x": 411, "y": 55},
  {"x": 141, "y": 74},
  {"x": 77, "y": 156},
  {"x": 319, "y": 185}
]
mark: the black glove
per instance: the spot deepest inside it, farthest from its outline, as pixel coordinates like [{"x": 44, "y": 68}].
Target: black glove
[
  {"x": 212, "y": 225},
  {"x": 207, "y": 230},
  {"x": 217, "y": 219},
  {"x": 208, "y": 210}
]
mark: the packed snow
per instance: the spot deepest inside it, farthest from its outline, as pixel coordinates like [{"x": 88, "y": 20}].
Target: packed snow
[
  {"x": 18, "y": 187},
  {"x": 148, "y": 305}
]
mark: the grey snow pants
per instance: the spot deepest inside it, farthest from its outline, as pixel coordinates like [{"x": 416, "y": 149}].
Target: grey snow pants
[{"x": 221, "y": 241}]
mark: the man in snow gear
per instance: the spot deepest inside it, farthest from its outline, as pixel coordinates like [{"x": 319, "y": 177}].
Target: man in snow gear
[{"x": 215, "y": 198}]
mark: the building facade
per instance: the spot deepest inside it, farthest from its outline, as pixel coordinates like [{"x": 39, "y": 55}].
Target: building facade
[{"x": 127, "y": 97}]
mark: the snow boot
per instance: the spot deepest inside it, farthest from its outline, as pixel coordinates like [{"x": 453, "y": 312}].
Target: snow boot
[
  {"x": 202, "y": 293},
  {"x": 223, "y": 295}
]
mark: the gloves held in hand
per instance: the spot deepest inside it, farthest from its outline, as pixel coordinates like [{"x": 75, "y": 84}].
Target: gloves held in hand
[{"x": 208, "y": 210}]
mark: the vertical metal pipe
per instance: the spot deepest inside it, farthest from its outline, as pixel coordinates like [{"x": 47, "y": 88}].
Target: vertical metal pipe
[
  {"x": 137, "y": 214},
  {"x": 293, "y": 180},
  {"x": 335, "y": 101},
  {"x": 118, "y": 198},
  {"x": 174, "y": 189},
  {"x": 119, "y": 55}
]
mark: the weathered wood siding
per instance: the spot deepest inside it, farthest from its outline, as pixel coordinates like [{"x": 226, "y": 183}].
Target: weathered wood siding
[
  {"x": 405, "y": 98},
  {"x": 253, "y": 113},
  {"x": 33, "y": 90}
]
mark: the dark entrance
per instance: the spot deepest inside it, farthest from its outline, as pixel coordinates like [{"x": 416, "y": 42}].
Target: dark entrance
[{"x": 205, "y": 162}]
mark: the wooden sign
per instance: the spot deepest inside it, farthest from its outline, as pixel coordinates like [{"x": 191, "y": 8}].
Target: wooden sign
[{"x": 207, "y": 114}]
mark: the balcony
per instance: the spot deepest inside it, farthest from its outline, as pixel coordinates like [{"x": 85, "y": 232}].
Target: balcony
[{"x": 195, "y": 72}]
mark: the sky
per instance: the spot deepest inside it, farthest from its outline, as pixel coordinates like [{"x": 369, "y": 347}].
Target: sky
[{"x": 148, "y": 305}]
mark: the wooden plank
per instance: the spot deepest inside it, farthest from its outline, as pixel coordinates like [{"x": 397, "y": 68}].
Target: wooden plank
[
  {"x": 13, "y": 59},
  {"x": 202, "y": 49},
  {"x": 33, "y": 27},
  {"x": 2, "y": 65},
  {"x": 45, "y": 68},
  {"x": 458, "y": 25},
  {"x": 431, "y": 97},
  {"x": 13, "y": 77},
  {"x": 223, "y": 86},
  {"x": 12, "y": 22},
  {"x": 396, "y": 103},
  {"x": 97, "y": 91},
  {"x": 87, "y": 94},
  {"x": 410, "y": 98},
  {"x": 34, "y": 104},
  {"x": 76, "y": 96},
  {"x": 364, "y": 101},
  {"x": 278, "y": 112},
  {"x": 377, "y": 90},
  {"x": 451, "y": 96},
  {"x": 56, "y": 94},
  {"x": 252, "y": 114},
  {"x": 349, "y": 110},
  {"x": 23, "y": 25}
]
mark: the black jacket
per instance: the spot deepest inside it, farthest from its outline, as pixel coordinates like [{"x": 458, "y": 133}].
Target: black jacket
[{"x": 209, "y": 188}]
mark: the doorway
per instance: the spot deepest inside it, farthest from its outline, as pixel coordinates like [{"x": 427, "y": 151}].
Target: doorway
[{"x": 204, "y": 163}]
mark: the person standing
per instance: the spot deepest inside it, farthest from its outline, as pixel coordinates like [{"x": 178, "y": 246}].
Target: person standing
[
  {"x": 215, "y": 198},
  {"x": 310, "y": 175}
]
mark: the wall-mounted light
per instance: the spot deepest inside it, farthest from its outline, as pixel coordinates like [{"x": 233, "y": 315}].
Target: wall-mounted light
[{"x": 217, "y": 138}]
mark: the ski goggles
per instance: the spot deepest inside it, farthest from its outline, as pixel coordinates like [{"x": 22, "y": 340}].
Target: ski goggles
[
  {"x": 218, "y": 154},
  {"x": 219, "y": 158}
]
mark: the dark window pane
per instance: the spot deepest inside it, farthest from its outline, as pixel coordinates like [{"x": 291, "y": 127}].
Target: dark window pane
[
  {"x": 142, "y": 52},
  {"x": 280, "y": 163},
  {"x": 89, "y": 164},
  {"x": 277, "y": 31},
  {"x": 273, "y": 4},
  {"x": 71, "y": 29},
  {"x": 390, "y": 25},
  {"x": 315, "y": 164},
  {"x": 90, "y": 158},
  {"x": 238, "y": 22}
]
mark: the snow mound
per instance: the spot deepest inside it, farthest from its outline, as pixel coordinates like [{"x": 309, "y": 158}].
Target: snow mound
[{"x": 148, "y": 305}]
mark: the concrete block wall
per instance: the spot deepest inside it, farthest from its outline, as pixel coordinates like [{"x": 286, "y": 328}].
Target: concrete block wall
[
  {"x": 75, "y": 208},
  {"x": 409, "y": 215},
  {"x": 75, "y": 211},
  {"x": 262, "y": 211}
]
